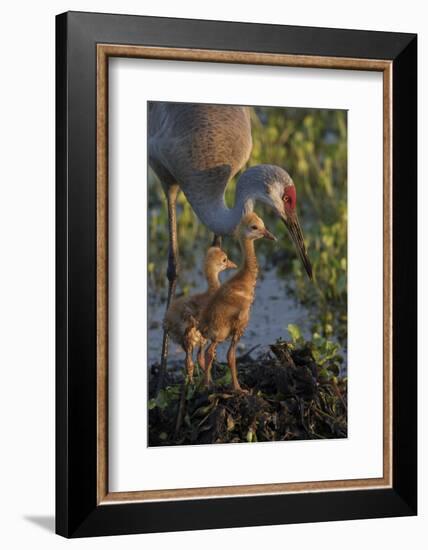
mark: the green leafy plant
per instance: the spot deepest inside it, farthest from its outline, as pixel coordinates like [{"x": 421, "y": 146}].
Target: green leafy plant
[{"x": 326, "y": 353}]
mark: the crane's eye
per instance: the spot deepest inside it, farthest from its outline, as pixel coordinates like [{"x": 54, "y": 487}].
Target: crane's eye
[{"x": 289, "y": 197}]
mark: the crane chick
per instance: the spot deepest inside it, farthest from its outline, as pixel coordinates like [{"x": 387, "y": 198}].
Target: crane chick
[
  {"x": 227, "y": 312},
  {"x": 181, "y": 319}
]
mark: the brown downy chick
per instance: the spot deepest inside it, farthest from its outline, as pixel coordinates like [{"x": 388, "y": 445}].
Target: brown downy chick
[
  {"x": 227, "y": 312},
  {"x": 181, "y": 319}
]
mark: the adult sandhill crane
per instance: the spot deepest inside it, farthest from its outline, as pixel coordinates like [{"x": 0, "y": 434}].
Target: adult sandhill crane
[{"x": 198, "y": 148}]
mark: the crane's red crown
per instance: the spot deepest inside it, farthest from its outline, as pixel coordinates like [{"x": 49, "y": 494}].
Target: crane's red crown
[{"x": 290, "y": 198}]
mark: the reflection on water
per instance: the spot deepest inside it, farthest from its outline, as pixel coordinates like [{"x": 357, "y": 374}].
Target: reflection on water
[{"x": 273, "y": 309}]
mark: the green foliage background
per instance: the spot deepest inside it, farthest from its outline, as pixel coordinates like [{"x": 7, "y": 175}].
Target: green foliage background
[{"x": 311, "y": 144}]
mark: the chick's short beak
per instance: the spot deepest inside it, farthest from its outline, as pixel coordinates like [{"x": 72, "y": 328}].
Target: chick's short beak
[
  {"x": 268, "y": 235},
  {"x": 231, "y": 265}
]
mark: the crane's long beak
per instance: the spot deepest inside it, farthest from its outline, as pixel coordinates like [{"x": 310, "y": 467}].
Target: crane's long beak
[{"x": 293, "y": 226}]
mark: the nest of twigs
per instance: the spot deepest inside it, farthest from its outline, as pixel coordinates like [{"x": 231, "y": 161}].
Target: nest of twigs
[{"x": 290, "y": 397}]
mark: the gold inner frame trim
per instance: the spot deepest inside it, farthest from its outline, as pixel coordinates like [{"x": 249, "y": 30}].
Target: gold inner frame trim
[{"x": 104, "y": 51}]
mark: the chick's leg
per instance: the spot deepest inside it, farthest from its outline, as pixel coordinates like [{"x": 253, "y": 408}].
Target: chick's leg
[
  {"x": 231, "y": 361},
  {"x": 188, "y": 348},
  {"x": 201, "y": 357},
  {"x": 189, "y": 363},
  {"x": 209, "y": 358}
]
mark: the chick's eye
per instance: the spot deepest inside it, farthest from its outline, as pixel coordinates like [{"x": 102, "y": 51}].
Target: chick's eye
[
  {"x": 224, "y": 260},
  {"x": 254, "y": 227}
]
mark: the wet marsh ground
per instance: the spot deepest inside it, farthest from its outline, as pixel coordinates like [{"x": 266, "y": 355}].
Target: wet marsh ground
[{"x": 273, "y": 310}]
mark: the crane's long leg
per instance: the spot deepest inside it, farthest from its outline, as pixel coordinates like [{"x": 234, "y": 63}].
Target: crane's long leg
[
  {"x": 217, "y": 241},
  {"x": 172, "y": 270}
]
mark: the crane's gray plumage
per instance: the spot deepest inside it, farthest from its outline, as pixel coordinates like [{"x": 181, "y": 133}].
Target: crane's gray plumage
[
  {"x": 200, "y": 148},
  {"x": 188, "y": 141}
]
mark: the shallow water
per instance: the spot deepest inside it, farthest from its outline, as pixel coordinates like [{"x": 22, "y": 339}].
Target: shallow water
[{"x": 273, "y": 309}]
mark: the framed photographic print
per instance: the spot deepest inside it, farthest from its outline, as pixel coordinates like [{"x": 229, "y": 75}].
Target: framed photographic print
[{"x": 236, "y": 274}]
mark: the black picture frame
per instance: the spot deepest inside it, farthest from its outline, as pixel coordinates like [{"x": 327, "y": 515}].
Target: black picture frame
[{"x": 77, "y": 511}]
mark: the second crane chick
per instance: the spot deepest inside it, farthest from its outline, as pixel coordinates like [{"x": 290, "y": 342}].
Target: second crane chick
[
  {"x": 181, "y": 319},
  {"x": 227, "y": 313}
]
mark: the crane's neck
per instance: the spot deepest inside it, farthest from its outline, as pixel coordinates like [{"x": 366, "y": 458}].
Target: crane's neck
[{"x": 209, "y": 204}]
